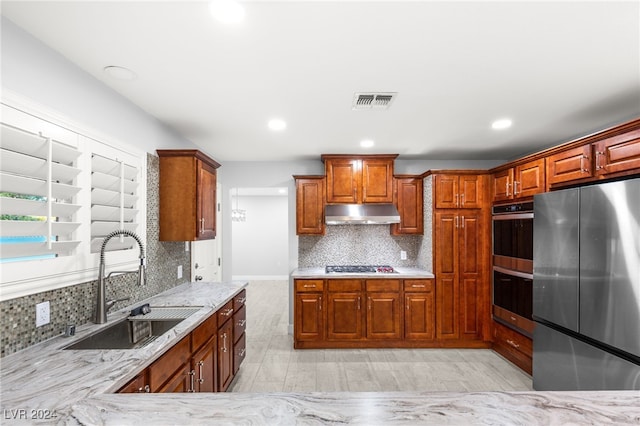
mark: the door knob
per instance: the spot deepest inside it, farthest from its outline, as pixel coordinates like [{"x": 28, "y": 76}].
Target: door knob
[{"x": 198, "y": 277}]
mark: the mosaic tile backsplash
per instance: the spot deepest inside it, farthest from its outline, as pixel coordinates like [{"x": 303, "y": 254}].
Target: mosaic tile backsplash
[{"x": 75, "y": 304}]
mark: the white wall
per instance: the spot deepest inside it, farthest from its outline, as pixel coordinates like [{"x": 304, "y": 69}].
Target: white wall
[
  {"x": 260, "y": 245},
  {"x": 32, "y": 70}
]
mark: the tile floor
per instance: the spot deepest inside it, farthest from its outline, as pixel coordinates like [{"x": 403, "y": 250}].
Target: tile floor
[{"x": 272, "y": 365}]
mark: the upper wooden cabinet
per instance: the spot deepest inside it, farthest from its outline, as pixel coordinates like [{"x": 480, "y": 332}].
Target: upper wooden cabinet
[
  {"x": 310, "y": 197},
  {"x": 359, "y": 179},
  {"x": 617, "y": 154},
  {"x": 572, "y": 164},
  {"x": 187, "y": 195},
  {"x": 459, "y": 191},
  {"x": 524, "y": 180},
  {"x": 408, "y": 198}
]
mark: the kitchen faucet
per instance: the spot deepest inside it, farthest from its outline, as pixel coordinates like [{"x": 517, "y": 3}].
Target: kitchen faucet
[{"x": 103, "y": 305}]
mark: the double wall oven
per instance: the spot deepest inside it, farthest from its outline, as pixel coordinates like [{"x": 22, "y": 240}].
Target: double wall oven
[{"x": 513, "y": 265}]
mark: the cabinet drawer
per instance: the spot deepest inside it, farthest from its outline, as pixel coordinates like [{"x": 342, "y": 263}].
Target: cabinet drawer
[
  {"x": 382, "y": 285},
  {"x": 204, "y": 332},
  {"x": 344, "y": 285},
  {"x": 225, "y": 312},
  {"x": 309, "y": 285},
  {"x": 239, "y": 322},
  {"x": 164, "y": 368},
  {"x": 239, "y": 353},
  {"x": 239, "y": 299},
  {"x": 418, "y": 285},
  {"x": 512, "y": 339}
]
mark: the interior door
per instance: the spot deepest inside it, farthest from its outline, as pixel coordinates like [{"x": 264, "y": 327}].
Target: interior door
[{"x": 204, "y": 261}]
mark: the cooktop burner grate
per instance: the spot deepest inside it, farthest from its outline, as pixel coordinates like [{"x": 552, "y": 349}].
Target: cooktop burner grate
[{"x": 358, "y": 269}]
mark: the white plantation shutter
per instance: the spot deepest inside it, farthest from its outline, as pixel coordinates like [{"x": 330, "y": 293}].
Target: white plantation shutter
[
  {"x": 114, "y": 201},
  {"x": 38, "y": 185}
]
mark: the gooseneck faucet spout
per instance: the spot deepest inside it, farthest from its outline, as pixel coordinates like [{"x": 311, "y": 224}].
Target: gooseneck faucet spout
[{"x": 102, "y": 306}]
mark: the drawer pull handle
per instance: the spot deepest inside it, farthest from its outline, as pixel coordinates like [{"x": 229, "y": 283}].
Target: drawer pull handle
[
  {"x": 309, "y": 286},
  {"x": 514, "y": 344},
  {"x": 242, "y": 300},
  {"x": 418, "y": 285},
  {"x": 241, "y": 323},
  {"x": 227, "y": 312},
  {"x": 513, "y": 318}
]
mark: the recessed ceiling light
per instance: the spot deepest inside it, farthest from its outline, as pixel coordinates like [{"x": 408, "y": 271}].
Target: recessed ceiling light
[
  {"x": 503, "y": 123},
  {"x": 367, "y": 143},
  {"x": 120, "y": 73},
  {"x": 277, "y": 124},
  {"x": 227, "y": 11}
]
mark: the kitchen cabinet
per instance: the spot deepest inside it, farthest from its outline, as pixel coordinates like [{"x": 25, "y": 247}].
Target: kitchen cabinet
[
  {"x": 408, "y": 198},
  {"x": 138, "y": 384},
  {"x": 225, "y": 346},
  {"x": 572, "y": 164},
  {"x": 383, "y": 309},
  {"x": 524, "y": 180},
  {"x": 359, "y": 179},
  {"x": 310, "y": 200},
  {"x": 344, "y": 309},
  {"x": 419, "y": 316},
  {"x": 461, "y": 283},
  {"x": 514, "y": 346},
  {"x": 187, "y": 195},
  {"x": 617, "y": 154},
  {"x": 239, "y": 329},
  {"x": 463, "y": 191},
  {"x": 167, "y": 372},
  {"x": 309, "y": 319},
  {"x": 204, "y": 361}
]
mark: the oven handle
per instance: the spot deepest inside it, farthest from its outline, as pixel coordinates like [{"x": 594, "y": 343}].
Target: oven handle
[
  {"x": 513, "y": 273},
  {"x": 511, "y": 216}
]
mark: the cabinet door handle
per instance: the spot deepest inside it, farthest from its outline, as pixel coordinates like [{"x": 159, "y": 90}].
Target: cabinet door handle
[
  {"x": 456, "y": 220},
  {"x": 192, "y": 384},
  {"x": 241, "y": 355},
  {"x": 507, "y": 185},
  {"x": 320, "y": 303},
  {"x": 407, "y": 302},
  {"x": 201, "y": 372},
  {"x": 369, "y": 304},
  {"x": 462, "y": 222},
  {"x": 514, "y": 344},
  {"x": 598, "y": 165},
  {"x": 583, "y": 170},
  {"x": 456, "y": 202},
  {"x": 144, "y": 389},
  {"x": 224, "y": 342},
  {"x": 358, "y": 302},
  {"x": 462, "y": 199},
  {"x": 515, "y": 187},
  {"x": 241, "y": 323}
]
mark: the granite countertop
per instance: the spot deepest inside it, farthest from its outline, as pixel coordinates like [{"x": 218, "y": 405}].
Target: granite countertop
[
  {"x": 46, "y": 377},
  {"x": 77, "y": 387},
  {"x": 400, "y": 272}
]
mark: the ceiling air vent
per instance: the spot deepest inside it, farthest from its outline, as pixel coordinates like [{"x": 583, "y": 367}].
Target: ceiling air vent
[{"x": 373, "y": 100}]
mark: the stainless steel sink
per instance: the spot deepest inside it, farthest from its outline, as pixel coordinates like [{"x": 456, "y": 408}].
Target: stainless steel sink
[{"x": 136, "y": 331}]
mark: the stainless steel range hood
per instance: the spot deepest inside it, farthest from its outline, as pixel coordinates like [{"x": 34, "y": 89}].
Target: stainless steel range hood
[{"x": 361, "y": 214}]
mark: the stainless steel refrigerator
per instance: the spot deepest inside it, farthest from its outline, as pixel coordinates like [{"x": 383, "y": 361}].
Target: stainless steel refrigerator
[{"x": 586, "y": 288}]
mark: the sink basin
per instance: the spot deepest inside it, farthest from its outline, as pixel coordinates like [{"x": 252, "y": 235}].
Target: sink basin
[{"x": 136, "y": 331}]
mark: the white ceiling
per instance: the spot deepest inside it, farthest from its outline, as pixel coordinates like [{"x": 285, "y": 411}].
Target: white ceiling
[{"x": 558, "y": 69}]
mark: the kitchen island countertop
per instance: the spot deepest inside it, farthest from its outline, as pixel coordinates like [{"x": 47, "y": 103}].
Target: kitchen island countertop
[{"x": 400, "y": 272}]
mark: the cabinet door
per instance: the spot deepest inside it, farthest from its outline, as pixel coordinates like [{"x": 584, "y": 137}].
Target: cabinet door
[
  {"x": 180, "y": 382},
  {"x": 529, "y": 179},
  {"x": 136, "y": 385},
  {"x": 419, "y": 316},
  {"x": 446, "y": 191},
  {"x": 206, "y": 217},
  {"x": 377, "y": 181},
  {"x": 470, "y": 272},
  {"x": 309, "y": 318},
  {"x": 502, "y": 185},
  {"x": 344, "y": 316},
  {"x": 408, "y": 199},
  {"x": 164, "y": 367},
  {"x": 383, "y": 316},
  {"x": 471, "y": 190},
  {"x": 239, "y": 352},
  {"x": 344, "y": 177},
  {"x": 225, "y": 356},
  {"x": 618, "y": 154},
  {"x": 569, "y": 165},
  {"x": 446, "y": 267},
  {"x": 310, "y": 195},
  {"x": 203, "y": 365}
]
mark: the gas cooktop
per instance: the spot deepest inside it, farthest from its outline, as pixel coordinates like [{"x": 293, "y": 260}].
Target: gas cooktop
[{"x": 359, "y": 269}]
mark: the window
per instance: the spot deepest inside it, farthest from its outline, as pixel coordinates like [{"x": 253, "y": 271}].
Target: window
[{"x": 62, "y": 191}]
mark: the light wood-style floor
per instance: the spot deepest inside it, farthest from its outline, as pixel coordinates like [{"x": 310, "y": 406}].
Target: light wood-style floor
[{"x": 272, "y": 365}]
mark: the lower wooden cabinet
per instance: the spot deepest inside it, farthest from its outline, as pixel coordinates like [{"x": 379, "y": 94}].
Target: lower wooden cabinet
[
  {"x": 371, "y": 313},
  {"x": 206, "y": 360},
  {"x": 514, "y": 346}
]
